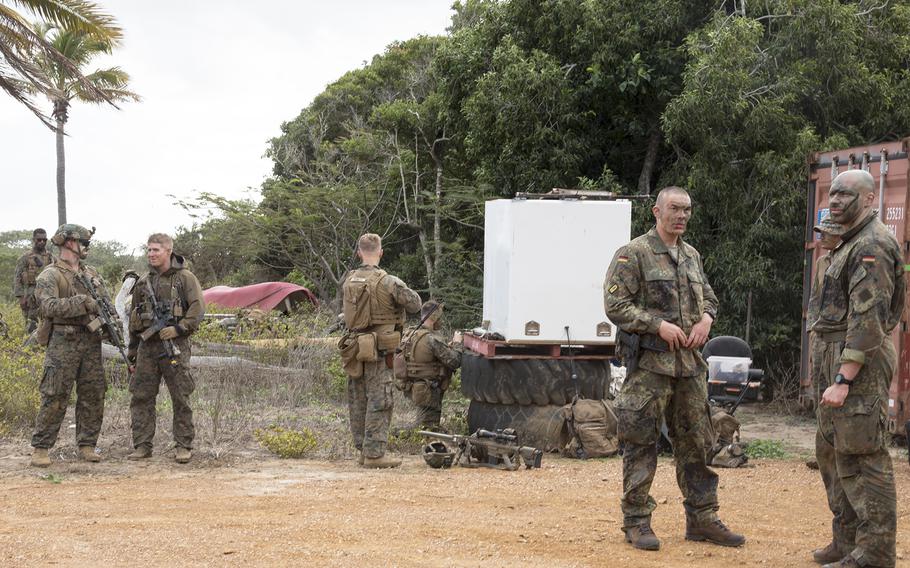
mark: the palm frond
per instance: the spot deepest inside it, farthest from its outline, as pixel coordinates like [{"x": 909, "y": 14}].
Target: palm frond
[{"x": 75, "y": 14}]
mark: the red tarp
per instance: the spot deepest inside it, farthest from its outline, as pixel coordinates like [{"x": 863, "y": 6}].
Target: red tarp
[{"x": 265, "y": 296}]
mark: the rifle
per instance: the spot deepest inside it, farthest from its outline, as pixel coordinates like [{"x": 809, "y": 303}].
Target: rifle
[
  {"x": 422, "y": 321},
  {"x": 580, "y": 451},
  {"x": 106, "y": 313},
  {"x": 483, "y": 448},
  {"x": 161, "y": 318}
]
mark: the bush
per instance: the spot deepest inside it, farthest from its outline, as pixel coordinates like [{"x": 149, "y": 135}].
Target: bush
[
  {"x": 287, "y": 443},
  {"x": 20, "y": 374},
  {"x": 767, "y": 449}
]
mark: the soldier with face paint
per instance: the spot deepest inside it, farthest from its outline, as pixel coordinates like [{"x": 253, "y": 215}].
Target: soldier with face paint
[
  {"x": 861, "y": 301},
  {"x": 657, "y": 291}
]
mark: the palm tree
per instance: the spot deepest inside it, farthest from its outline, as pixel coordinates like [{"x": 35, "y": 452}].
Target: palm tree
[
  {"x": 70, "y": 83},
  {"x": 20, "y": 45}
]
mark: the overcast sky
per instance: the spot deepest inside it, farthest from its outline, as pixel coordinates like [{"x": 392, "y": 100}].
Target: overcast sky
[{"x": 217, "y": 79}]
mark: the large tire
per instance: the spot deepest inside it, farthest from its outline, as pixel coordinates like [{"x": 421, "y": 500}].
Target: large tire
[
  {"x": 538, "y": 382},
  {"x": 538, "y": 426}
]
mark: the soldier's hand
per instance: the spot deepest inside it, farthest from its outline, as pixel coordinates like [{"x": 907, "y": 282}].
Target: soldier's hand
[
  {"x": 91, "y": 306},
  {"x": 457, "y": 337},
  {"x": 835, "y": 395},
  {"x": 699, "y": 333},
  {"x": 672, "y": 334},
  {"x": 169, "y": 332}
]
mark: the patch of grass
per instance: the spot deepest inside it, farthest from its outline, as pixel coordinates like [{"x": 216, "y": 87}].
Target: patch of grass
[
  {"x": 287, "y": 443},
  {"x": 766, "y": 449},
  {"x": 21, "y": 369},
  {"x": 406, "y": 441},
  {"x": 52, "y": 478}
]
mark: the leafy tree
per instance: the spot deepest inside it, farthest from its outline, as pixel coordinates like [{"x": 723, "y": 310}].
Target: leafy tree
[
  {"x": 70, "y": 83},
  {"x": 20, "y": 45}
]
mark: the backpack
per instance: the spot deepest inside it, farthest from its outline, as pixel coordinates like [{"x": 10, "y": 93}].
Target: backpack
[
  {"x": 359, "y": 291},
  {"x": 592, "y": 425}
]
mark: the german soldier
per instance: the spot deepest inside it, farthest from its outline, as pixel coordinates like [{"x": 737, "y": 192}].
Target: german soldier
[
  {"x": 861, "y": 302},
  {"x": 73, "y": 350},
  {"x": 165, "y": 353},
  {"x": 430, "y": 363},
  {"x": 27, "y": 269},
  {"x": 657, "y": 293},
  {"x": 374, "y": 307}
]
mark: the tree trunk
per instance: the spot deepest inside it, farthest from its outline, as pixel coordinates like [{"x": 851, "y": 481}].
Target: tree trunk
[
  {"x": 437, "y": 240},
  {"x": 61, "y": 174},
  {"x": 647, "y": 169}
]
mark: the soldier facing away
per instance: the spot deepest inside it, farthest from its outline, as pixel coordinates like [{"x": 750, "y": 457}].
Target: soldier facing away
[
  {"x": 28, "y": 267},
  {"x": 861, "y": 301},
  {"x": 374, "y": 306},
  {"x": 430, "y": 363},
  {"x": 656, "y": 291},
  {"x": 165, "y": 353},
  {"x": 73, "y": 351}
]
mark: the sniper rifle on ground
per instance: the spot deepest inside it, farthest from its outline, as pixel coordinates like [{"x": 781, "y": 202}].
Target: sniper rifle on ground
[{"x": 497, "y": 450}]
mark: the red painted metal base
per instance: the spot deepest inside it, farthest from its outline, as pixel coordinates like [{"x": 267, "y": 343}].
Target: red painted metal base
[{"x": 492, "y": 349}]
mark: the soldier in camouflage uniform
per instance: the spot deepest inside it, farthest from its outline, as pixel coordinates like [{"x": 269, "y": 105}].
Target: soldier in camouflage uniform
[
  {"x": 829, "y": 239},
  {"x": 861, "y": 302},
  {"x": 177, "y": 290},
  {"x": 374, "y": 306},
  {"x": 430, "y": 363},
  {"x": 656, "y": 289},
  {"x": 27, "y": 269},
  {"x": 73, "y": 352}
]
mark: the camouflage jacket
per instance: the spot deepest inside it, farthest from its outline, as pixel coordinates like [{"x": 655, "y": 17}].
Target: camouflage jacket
[
  {"x": 60, "y": 295},
  {"x": 863, "y": 290},
  {"x": 815, "y": 295},
  {"x": 28, "y": 267},
  {"x": 176, "y": 288},
  {"x": 645, "y": 286}
]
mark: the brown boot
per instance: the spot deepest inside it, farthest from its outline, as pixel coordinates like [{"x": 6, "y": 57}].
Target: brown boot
[
  {"x": 88, "y": 454},
  {"x": 715, "y": 532},
  {"x": 40, "y": 458},
  {"x": 382, "y": 462},
  {"x": 642, "y": 537},
  {"x": 845, "y": 562},
  {"x": 183, "y": 455},
  {"x": 140, "y": 453},
  {"x": 360, "y": 458},
  {"x": 828, "y": 554}
]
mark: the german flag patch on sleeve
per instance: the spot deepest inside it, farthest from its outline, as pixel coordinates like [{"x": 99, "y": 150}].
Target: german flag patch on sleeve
[
  {"x": 868, "y": 258},
  {"x": 613, "y": 288},
  {"x": 622, "y": 258}
]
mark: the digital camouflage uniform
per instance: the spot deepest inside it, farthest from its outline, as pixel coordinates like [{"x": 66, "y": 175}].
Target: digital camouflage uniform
[
  {"x": 644, "y": 286},
  {"x": 73, "y": 356},
  {"x": 28, "y": 267},
  {"x": 861, "y": 301},
  {"x": 370, "y": 390},
  {"x": 178, "y": 288},
  {"x": 430, "y": 361}
]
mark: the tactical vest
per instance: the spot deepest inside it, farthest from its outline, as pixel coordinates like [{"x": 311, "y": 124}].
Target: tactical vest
[
  {"x": 67, "y": 288},
  {"x": 169, "y": 292},
  {"x": 35, "y": 263},
  {"x": 422, "y": 363},
  {"x": 365, "y": 305}
]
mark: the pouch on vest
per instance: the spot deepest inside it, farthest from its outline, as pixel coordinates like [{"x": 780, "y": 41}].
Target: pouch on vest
[
  {"x": 594, "y": 426},
  {"x": 358, "y": 292},
  {"x": 348, "y": 347},
  {"x": 400, "y": 366},
  {"x": 366, "y": 348},
  {"x": 421, "y": 394},
  {"x": 388, "y": 340},
  {"x": 43, "y": 334}
]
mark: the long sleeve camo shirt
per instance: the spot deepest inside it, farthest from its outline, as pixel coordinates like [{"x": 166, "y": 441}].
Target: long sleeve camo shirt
[{"x": 645, "y": 285}]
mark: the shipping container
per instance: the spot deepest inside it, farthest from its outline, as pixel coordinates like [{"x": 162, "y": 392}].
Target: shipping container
[{"x": 888, "y": 164}]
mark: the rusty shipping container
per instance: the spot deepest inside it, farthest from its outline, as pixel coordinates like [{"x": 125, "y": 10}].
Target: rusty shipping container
[{"x": 888, "y": 164}]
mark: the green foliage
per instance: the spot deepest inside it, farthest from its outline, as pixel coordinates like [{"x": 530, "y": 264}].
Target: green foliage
[
  {"x": 337, "y": 378},
  {"x": 287, "y": 443},
  {"x": 766, "y": 449},
  {"x": 20, "y": 373},
  {"x": 406, "y": 441}
]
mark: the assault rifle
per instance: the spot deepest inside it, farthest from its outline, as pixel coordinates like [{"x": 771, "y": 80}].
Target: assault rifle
[
  {"x": 497, "y": 450},
  {"x": 106, "y": 313},
  {"x": 161, "y": 318}
]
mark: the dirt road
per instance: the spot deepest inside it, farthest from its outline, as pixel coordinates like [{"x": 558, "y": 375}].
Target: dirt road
[{"x": 312, "y": 513}]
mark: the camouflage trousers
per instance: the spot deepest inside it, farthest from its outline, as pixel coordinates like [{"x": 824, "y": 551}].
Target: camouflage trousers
[
  {"x": 370, "y": 406},
  {"x": 151, "y": 367},
  {"x": 427, "y": 397},
  {"x": 73, "y": 356},
  {"x": 853, "y": 459},
  {"x": 30, "y": 312},
  {"x": 646, "y": 400}
]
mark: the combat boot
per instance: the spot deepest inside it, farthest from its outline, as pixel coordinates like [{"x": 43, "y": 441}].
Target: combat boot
[
  {"x": 183, "y": 455},
  {"x": 642, "y": 537},
  {"x": 140, "y": 453},
  {"x": 40, "y": 458},
  {"x": 360, "y": 458},
  {"x": 828, "y": 554},
  {"x": 715, "y": 532},
  {"x": 88, "y": 454},
  {"x": 845, "y": 562},
  {"x": 382, "y": 462}
]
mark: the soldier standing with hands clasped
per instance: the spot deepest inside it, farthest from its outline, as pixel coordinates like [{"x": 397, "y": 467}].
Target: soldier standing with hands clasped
[
  {"x": 657, "y": 293},
  {"x": 860, "y": 303}
]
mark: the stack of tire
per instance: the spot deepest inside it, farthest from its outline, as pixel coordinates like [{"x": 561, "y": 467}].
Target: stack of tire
[{"x": 528, "y": 394}]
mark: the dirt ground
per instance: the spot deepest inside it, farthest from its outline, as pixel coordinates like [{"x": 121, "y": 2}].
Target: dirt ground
[{"x": 266, "y": 512}]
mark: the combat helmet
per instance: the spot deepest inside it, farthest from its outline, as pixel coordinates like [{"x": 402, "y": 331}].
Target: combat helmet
[
  {"x": 71, "y": 231},
  {"x": 438, "y": 455}
]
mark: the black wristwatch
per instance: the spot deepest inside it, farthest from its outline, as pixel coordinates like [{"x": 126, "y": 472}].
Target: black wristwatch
[{"x": 839, "y": 379}]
